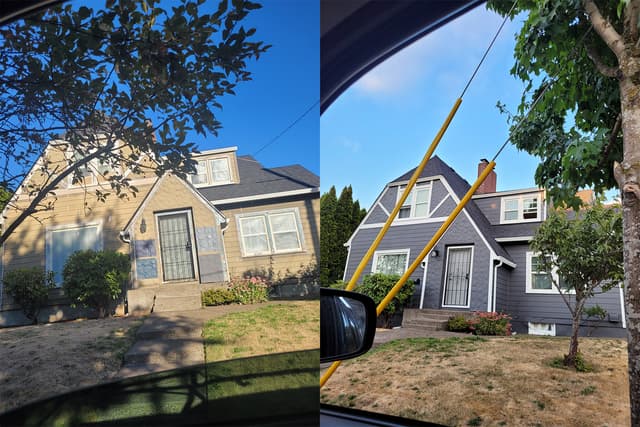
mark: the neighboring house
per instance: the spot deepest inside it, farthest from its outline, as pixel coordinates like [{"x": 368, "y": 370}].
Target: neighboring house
[
  {"x": 483, "y": 262},
  {"x": 233, "y": 217}
]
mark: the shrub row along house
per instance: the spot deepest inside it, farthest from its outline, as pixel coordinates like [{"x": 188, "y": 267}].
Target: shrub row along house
[
  {"x": 233, "y": 217},
  {"x": 483, "y": 262}
]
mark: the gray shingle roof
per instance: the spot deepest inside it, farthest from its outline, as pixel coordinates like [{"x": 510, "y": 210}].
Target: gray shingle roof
[
  {"x": 460, "y": 186},
  {"x": 256, "y": 180}
]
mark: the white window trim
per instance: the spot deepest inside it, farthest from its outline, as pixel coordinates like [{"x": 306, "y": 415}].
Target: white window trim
[
  {"x": 411, "y": 200},
  {"x": 194, "y": 249},
  {"x": 49, "y": 235},
  {"x": 446, "y": 267},
  {"x": 266, "y": 217},
  {"x": 93, "y": 167},
  {"x": 210, "y": 167},
  {"x": 273, "y": 232},
  {"x": 520, "y": 199},
  {"x": 544, "y": 329},
  {"x": 554, "y": 274},
  {"x": 376, "y": 254},
  {"x": 209, "y": 172}
]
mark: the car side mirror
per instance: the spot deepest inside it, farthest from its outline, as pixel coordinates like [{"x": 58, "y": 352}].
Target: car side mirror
[{"x": 347, "y": 324}]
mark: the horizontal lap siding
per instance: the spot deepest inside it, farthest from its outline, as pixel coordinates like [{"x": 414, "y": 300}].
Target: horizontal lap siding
[
  {"x": 281, "y": 264},
  {"x": 490, "y": 207},
  {"x": 548, "y": 308},
  {"x": 26, "y": 246},
  {"x": 503, "y": 277},
  {"x": 415, "y": 237},
  {"x": 376, "y": 216},
  {"x": 171, "y": 195}
]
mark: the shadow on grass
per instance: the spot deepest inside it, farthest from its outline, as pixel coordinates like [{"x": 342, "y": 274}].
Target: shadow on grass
[{"x": 279, "y": 389}]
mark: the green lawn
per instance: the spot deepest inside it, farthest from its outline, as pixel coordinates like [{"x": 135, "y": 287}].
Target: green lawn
[{"x": 269, "y": 329}]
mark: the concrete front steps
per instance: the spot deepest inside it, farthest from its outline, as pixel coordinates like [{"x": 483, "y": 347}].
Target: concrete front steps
[
  {"x": 177, "y": 297},
  {"x": 166, "y": 340},
  {"x": 429, "y": 319}
]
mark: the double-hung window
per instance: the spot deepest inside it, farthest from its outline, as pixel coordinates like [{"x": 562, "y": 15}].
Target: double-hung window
[
  {"x": 211, "y": 172},
  {"x": 538, "y": 279},
  {"x": 268, "y": 233},
  {"x": 417, "y": 202},
  {"x": 520, "y": 209},
  {"x": 90, "y": 172}
]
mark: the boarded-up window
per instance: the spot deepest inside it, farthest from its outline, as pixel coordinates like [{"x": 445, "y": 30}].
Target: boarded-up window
[{"x": 62, "y": 243}]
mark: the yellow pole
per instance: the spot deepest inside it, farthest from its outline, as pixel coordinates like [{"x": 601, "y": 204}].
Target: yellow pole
[
  {"x": 443, "y": 228},
  {"x": 405, "y": 194}
]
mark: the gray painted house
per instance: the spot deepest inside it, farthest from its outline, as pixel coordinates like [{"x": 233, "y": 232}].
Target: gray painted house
[{"x": 483, "y": 262}]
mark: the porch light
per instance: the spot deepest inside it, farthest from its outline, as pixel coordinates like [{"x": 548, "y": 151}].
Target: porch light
[
  {"x": 143, "y": 226},
  {"x": 434, "y": 253}
]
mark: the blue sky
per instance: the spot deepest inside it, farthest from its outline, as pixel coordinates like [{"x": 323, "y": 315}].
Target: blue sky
[
  {"x": 285, "y": 84},
  {"x": 381, "y": 126}
]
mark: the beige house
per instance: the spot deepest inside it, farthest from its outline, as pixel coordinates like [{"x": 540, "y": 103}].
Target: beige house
[{"x": 231, "y": 218}]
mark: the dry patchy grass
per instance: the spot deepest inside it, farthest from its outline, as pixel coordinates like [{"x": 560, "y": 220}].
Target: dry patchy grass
[
  {"x": 269, "y": 329},
  {"x": 42, "y": 360},
  {"x": 489, "y": 382}
]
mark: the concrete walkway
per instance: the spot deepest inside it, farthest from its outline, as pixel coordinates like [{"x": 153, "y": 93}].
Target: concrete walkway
[{"x": 173, "y": 339}]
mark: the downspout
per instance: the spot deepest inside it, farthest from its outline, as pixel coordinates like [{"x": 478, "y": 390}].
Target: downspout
[
  {"x": 495, "y": 282},
  {"x": 223, "y": 228},
  {"x": 490, "y": 282},
  {"x": 125, "y": 236},
  {"x": 425, "y": 264},
  {"x": 346, "y": 266}
]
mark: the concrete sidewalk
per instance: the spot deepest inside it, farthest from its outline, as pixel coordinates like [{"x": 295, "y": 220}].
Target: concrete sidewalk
[{"x": 173, "y": 339}]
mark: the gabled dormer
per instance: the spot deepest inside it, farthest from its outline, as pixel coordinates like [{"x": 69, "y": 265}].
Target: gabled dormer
[{"x": 215, "y": 167}]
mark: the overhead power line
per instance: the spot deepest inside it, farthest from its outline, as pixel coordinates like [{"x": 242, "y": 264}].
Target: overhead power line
[{"x": 278, "y": 136}]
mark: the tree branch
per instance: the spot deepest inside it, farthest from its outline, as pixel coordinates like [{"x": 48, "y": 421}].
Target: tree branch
[
  {"x": 604, "y": 28},
  {"x": 631, "y": 19},
  {"x": 603, "y": 68}
]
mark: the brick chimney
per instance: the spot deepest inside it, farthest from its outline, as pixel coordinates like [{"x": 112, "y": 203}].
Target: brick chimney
[{"x": 489, "y": 184}]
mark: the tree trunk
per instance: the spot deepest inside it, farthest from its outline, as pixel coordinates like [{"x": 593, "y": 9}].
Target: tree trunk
[
  {"x": 630, "y": 100},
  {"x": 631, "y": 223},
  {"x": 570, "y": 359}
]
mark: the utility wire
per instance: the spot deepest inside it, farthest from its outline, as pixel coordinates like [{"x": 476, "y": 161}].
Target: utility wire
[
  {"x": 486, "y": 52},
  {"x": 275, "y": 138}
]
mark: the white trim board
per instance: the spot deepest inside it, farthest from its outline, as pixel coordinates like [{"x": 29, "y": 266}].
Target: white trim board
[{"x": 264, "y": 196}]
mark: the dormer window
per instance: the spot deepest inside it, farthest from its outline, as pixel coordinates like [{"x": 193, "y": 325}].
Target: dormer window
[
  {"x": 520, "y": 209},
  {"x": 212, "y": 172},
  {"x": 417, "y": 203},
  {"x": 220, "y": 172},
  {"x": 89, "y": 172}
]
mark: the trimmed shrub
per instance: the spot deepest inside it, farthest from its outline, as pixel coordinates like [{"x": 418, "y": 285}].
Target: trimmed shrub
[
  {"x": 218, "y": 297},
  {"x": 490, "y": 323},
  {"x": 458, "y": 323},
  {"x": 95, "y": 279},
  {"x": 249, "y": 290},
  {"x": 340, "y": 284},
  {"x": 378, "y": 285},
  {"x": 29, "y": 287}
]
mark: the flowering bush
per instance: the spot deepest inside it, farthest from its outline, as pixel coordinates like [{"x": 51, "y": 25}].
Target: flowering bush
[
  {"x": 490, "y": 323},
  {"x": 249, "y": 290}
]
